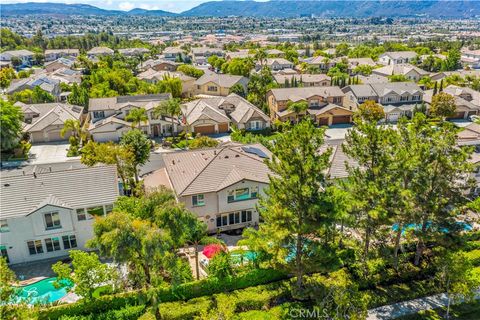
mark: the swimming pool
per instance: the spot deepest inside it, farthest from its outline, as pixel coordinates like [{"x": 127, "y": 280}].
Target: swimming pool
[
  {"x": 42, "y": 292},
  {"x": 462, "y": 225}
]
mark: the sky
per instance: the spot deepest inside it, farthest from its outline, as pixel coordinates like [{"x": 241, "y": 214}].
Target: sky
[{"x": 125, "y": 5}]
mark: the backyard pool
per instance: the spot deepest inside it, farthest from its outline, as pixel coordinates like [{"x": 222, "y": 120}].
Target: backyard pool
[
  {"x": 462, "y": 225},
  {"x": 42, "y": 292}
]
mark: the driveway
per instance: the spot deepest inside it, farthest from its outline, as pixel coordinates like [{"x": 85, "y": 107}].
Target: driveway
[
  {"x": 50, "y": 153},
  {"x": 337, "y": 132}
]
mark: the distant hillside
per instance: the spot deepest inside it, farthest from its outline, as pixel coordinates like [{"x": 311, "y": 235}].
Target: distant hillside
[
  {"x": 274, "y": 8},
  {"x": 339, "y": 8},
  {"x": 48, "y": 8}
]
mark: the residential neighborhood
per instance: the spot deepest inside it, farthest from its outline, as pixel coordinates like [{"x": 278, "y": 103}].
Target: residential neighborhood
[{"x": 267, "y": 165}]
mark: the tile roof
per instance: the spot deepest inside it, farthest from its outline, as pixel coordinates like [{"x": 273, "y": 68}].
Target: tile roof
[
  {"x": 307, "y": 78},
  {"x": 301, "y": 93},
  {"x": 222, "y": 80},
  {"x": 211, "y": 170},
  {"x": 117, "y": 103},
  {"x": 55, "y": 113},
  {"x": 402, "y": 68},
  {"x": 400, "y": 54},
  {"x": 80, "y": 187}
]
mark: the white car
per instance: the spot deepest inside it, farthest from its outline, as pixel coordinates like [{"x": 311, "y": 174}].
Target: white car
[{"x": 474, "y": 118}]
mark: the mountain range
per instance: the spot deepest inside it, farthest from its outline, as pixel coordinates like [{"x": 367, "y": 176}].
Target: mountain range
[{"x": 274, "y": 8}]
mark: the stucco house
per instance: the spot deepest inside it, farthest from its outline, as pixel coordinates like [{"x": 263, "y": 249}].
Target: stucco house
[
  {"x": 108, "y": 117},
  {"x": 54, "y": 54},
  {"x": 411, "y": 72},
  {"x": 220, "y": 185},
  {"x": 306, "y": 80},
  {"x": 467, "y": 101},
  {"x": 132, "y": 52},
  {"x": 276, "y": 64},
  {"x": 59, "y": 63},
  {"x": 397, "y": 98},
  {"x": 44, "y": 121},
  {"x": 214, "y": 115},
  {"x": 200, "y": 55},
  {"x": 99, "y": 52},
  {"x": 216, "y": 84},
  {"x": 153, "y": 76},
  {"x": 325, "y": 104},
  {"x": 24, "y": 56},
  {"x": 159, "y": 65},
  {"x": 396, "y": 57},
  {"x": 174, "y": 54},
  {"x": 42, "y": 218},
  {"x": 44, "y": 81}
]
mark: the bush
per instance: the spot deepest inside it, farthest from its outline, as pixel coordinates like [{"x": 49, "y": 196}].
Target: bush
[
  {"x": 127, "y": 313},
  {"x": 185, "y": 310}
]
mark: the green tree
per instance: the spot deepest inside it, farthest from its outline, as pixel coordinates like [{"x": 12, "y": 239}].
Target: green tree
[
  {"x": 138, "y": 143},
  {"x": 136, "y": 116},
  {"x": 452, "y": 62},
  {"x": 79, "y": 96},
  {"x": 398, "y": 78},
  {"x": 190, "y": 71},
  {"x": 221, "y": 266},
  {"x": 260, "y": 56},
  {"x": 10, "y": 293},
  {"x": 298, "y": 108},
  {"x": 111, "y": 154},
  {"x": 291, "y": 217},
  {"x": 7, "y": 280},
  {"x": 457, "y": 277},
  {"x": 76, "y": 129},
  {"x": 443, "y": 105},
  {"x": 170, "y": 108},
  {"x": 11, "y": 118},
  {"x": 239, "y": 89},
  {"x": 6, "y": 76},
  {"x": 87, "y": 273},
  {"x": 203, "y": 142},
  {"x": 172, "y": 85},
  {"x": 371, "y": 146},
  {"x": 197, "y": 235}
]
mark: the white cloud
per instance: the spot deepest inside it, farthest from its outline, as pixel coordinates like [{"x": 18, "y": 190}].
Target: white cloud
[{"x": 126, "y": 6}]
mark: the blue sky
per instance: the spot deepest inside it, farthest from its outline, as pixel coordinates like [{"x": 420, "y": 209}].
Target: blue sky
[{"x": 168, "y": 5}]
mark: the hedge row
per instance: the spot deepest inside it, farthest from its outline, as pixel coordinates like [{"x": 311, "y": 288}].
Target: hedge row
[{"x": 187, "y": 291}]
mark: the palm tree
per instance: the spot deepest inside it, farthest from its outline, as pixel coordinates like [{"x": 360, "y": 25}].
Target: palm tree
[
  {"x": 198, "y": 235},
  {"x": 136, "y": 116},
  {"x": 260, "y": 56},
  {"x": 74, "y": 126},
  {"x": 297, "y": 107},
  {"x": 169, "y": 108}
]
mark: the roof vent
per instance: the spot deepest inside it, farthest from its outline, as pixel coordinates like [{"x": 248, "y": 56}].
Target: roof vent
[
  {"x": 173, "y": 161},
  {"x": 6, "y": 185},
  {"x": 226, "y": 157},
  {"x": 237, "y": 156}
]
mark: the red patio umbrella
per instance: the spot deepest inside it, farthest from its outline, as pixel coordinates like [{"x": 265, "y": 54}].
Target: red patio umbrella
[{"x": 212, "y": 249}]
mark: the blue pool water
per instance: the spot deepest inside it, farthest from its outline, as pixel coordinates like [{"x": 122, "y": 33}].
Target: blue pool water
[
  {"x": 42, "y": 292},
  {"x": 465, "y": 226},
  {"x": 246, "y": 256}
]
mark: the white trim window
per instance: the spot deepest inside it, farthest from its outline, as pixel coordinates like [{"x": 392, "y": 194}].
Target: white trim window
[
  {"x": 52, "y": 244},
  {"x": 242, "y": 194},
  {"x": 35, "y": 247},
  {"x": 232, "y": 218},
  {"x": 198, "y": 200},
  {"x": 69, "y": 242},
  {"x": 52, "y": 220}
]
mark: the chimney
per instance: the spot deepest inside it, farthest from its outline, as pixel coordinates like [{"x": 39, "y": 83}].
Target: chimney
[{"x": 34, "y": 175}]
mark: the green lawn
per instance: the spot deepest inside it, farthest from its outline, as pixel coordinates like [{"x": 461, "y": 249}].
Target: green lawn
[{"x": 464, "y": 311}]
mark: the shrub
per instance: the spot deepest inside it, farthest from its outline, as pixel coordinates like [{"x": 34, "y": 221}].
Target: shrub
[
  {"x": 127, "y": 313},
  {"x": 185, "y": 310}
]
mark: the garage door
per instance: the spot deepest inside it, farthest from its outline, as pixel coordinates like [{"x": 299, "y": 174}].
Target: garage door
[
  {"x": 323, "y": 121},
  {"x": 204, "y": 129},
  {"x": 223, "y": 127},
  {"x": 341, "y": 119},
  {"x": 458, "y": 115},
  {"x": 55, "y": 136}
]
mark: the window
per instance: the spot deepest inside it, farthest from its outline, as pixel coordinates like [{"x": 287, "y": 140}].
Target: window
[
  {"x": 246, "y": 215},
  {"x": 95, "y": 211},
  {"x": 69, "y": 242},
  {"x": 4, "y": 226},
  {"x": 98, "y": 114},
  {"x": 337, "y": 99},
  {"x": 35, "y": 247},
  {"x": 198, "y": 200},
  {"x": 415, "y": 98},
  {"x": 314, "y": 103},
  {"x": 231, "y": 218},
  {"x": 212, "y": 88},
  {"x": 81, "y": 215},
  {"x": 242, "y": 194},
  {"x": 234, "y": 218},
  {"x": 52, "y": 244},
  {"x": 52, "y": 220}
]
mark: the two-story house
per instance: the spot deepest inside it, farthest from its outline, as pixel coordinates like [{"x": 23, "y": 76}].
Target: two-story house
[
  {"x": 133, "y": 52},
  {"x": 305, "y": 80},
  {"x": 174, "y": 54},
  {"x": 275, "y": 64},
  {"x": 159, "y": 65},
  {"x": 397, "y": 98},
  {"x": 214, "y": 115},
  {"x": 467, "y": 101},
  {"x": 396, "y": 57},
  {"x": 99, "y": 52},
  {"x": 42, "y": 80},
  {"x": 325, "y": 104},
  {"x": 220, "y": 185},
  {"x": 200, "y": 55},
  {"x": 216, "y": 84},
  {"x": 42, "y": 217},
  {"x": 407, "y": 70},
  {"x": 25, "y": 57},
  {"x": 54, "y": 54},
  {"x": 108, "y": 116}
]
